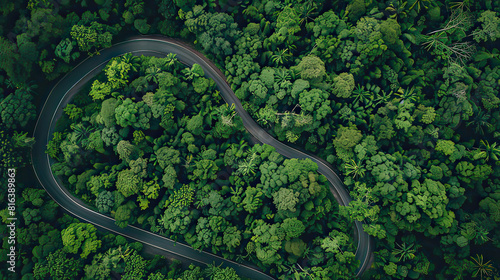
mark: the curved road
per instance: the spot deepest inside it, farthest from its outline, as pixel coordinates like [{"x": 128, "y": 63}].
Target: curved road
[{"x": 69, "y": 85}]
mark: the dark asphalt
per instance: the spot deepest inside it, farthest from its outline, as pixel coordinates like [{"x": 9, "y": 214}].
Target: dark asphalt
[{"x": 64, "y": 90}]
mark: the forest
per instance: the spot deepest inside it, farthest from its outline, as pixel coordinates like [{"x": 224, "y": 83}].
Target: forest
[{"x": 400, "y": 97}]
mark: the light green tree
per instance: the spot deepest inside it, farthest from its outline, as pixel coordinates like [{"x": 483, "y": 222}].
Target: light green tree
[{"x": 80, "y": 235}]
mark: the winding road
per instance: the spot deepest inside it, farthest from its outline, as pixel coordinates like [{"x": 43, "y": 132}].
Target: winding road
[{"x": 69, "y": 85}]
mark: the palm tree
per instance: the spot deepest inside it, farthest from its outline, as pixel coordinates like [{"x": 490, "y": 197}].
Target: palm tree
[
  {"x": 419, "y": 4},
  {"x": 382, "y": 98},
  {"x": 281, "y": 57},
  {"x": 21, "y": 140},
  {"x": 492, "y": 151},
  {"x": 306, "y": 11},
  {"x": 405, "y": 252},
  {"x": 251, "y": 11},
  {"x": 362, "y": 95},
  {"x": 482, "y": 268},
  {"x": 460, "y": 5},
  {"x": 407, "y": 95},
  {"x": 226, "y": 114},
  {"x": 281, "y": 76},
  {"x": 247, "y": 166},
  {"x": 11, "y": 84},
  {"x": 355, "y": 168},
  {"x": 480, "y": 121},
  {"x": 132, "y": 60},
  {"x": 399, "y": 11},
  {"x": 189, "y": 73},
  {"x": 171, "y": 59},
  {"x": 152, "y": 73},
  {"x": 80, "y": 133},
  {"x": 28, "y": 87}
]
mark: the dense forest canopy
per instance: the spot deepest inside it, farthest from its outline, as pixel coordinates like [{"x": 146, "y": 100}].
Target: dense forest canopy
[
  {"x": 402, "y": 97},
  {"x": 153, "y": 144}
]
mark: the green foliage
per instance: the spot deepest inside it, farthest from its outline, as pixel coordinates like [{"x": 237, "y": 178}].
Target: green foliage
[
  {"x": 447, "y": 147},
  {"x": 489, "y": 27},
  {"x": 80, "y": 235},
  {"x": 58, "y": 266},
  {"x": 356, "y": 9},
  {"x": 142, "y": 25},
  {"x": 133, "y": 114},
  {"x": 167, "y": 156},
  {"x": 312, "y": 68},
  {"x": 128, "y": 183},
  {"x": 286, "y": 199},
  {"x": 17, "y": 109},
  {"x": 104, "y": 201},
  {"x": 315, "y": 102},
  {"x": 343, "y": 85},
  {"x": 216, "y": 32},
  {"x": 288, "y": 19},
  {"x": 93, "y": 37},
  {"x": 63, "y": 50}
]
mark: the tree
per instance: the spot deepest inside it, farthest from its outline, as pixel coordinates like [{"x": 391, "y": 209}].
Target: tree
[
  {"x": 312, "y": 68},
  {"x": 217, "y": 273},
  {"x": 288, "y": 19},
  {"x": 133, "y": 114},
  {"x": 247, "y": 166},
  {"x": 480, "y": 267},
  {"x": 346, "y": 139},
  {"x": 293, "y": 228},
  {"x": 80, "y": 235},
  {"x": 142, "y": 25},
  {"x": 117, "y": 72},
  {"x": 492, "y": 151},
  {"x": 169, "y": 177},
  {"x": 128, "y": 183},
  {"x": 22, "y": 141},
  {"x": 109, "y": 136},
  {"x": 8, "y": 58},
  {"x": 447, "y": 147},
  {"x": 17, "y": 109},
  {"x": 405, "y": 252},
  {"x": 258, "y": 90},
  {"x": 108, "y": 107},
  {"x": 95, "y": 36},
  {"x": 58, "y": 266},
  {"x": 135, "y": 266},
  {"x": 489, "y": 28},
  {"x": 195, "y": 124},
  {"x": 123, "y": 214},
  {"x": 167, "y": 156},
  {"x": 139, "y": 166},
  {"x": 252, "y": 200},
  {"x": 285, "y": 199},
  {"x": 215, "y": 32},
  {"x": 73, "y": 112},
  {"x": 194, "y": 72},
  {"x": 206, "y": 169},
  {"x": 232, "y": 238},
  {"x": 343, "y": 85},
  {"x": 64, "y": 48},
  {"x": 127, "y": 151},
  {"x": 315, "y": 102},
  {"x": 356, "y": 9},
  {"x": 176, "y": 220},
  {"x": 105, "y": 201}
]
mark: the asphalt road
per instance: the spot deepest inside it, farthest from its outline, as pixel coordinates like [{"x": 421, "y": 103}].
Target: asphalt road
[{"x": 68, "y": 86}]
